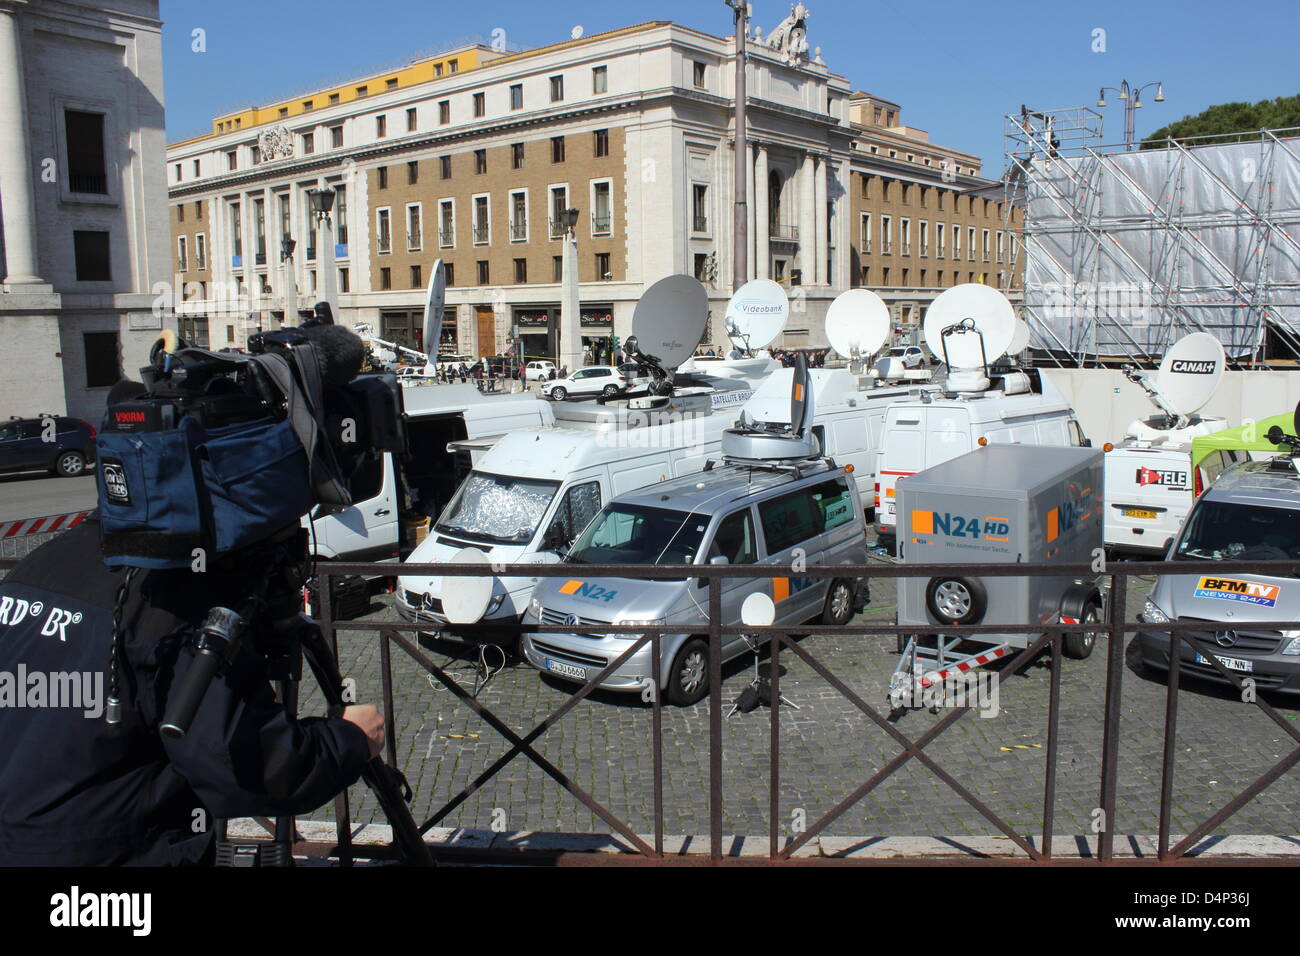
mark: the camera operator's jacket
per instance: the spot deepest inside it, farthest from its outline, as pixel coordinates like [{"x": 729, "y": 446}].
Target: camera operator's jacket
[{"x": 76, "y": 791}]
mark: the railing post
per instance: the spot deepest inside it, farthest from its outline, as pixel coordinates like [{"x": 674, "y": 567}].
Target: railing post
[
  {"x": 386, "y": 674},
  {"x": 715, "y": 719},
  {"x": 1053, "y": 724},
  {"x": 657, "y": 726},
  {"x": 1110, "y": 732},
  {"x": 325, "y": 620},
  {"x": 1171, "y": 739},
  {"x": 774, "y": 764}
]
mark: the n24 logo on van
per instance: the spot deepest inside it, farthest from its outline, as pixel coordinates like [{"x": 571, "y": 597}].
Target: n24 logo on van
[
  {"x": 958, "y": 526},
  {"x": 1233, "y": 589},
  {"x": 591, "y": 592}
]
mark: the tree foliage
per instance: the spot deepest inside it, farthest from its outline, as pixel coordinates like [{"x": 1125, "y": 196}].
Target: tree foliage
[{"x": 1227, "y": 121}]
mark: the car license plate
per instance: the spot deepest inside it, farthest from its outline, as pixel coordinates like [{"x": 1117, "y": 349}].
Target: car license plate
[
  {"x": 1139, "y": 513},
  {"x": 1231, "y": 663},
  {"x": 567, "y": 670}
]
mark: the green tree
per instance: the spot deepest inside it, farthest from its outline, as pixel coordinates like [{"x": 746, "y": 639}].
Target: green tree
[{"x": 1227, "y": 122}]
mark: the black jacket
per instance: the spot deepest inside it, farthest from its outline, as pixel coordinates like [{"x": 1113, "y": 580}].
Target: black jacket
[{"x": 76, "y": 791}]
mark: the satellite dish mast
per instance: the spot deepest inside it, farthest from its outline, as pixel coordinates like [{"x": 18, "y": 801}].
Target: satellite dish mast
[
  {"x": 756, "y": 315},
  {"x": 857, "y": 325},
  {"x": 1187, "y": 379},
  {"x": 777, "y": 439},
  {"x": 971, "y": 326},
  {"x": 434, "y": 300},
  {"x": 668, "y": 323}
]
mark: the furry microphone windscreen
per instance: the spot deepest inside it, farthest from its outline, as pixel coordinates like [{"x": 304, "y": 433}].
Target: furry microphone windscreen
[{"x": 340, "y": 351}]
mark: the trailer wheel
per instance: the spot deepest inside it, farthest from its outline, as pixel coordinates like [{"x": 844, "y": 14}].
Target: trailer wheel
[
  {"x": 956, "y": 601},
  {"x": 1080, "y": 645}
]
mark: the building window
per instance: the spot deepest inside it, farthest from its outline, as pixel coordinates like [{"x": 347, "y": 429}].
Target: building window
[
  {"x": 336, "y": 137},
  {"x": 382, "y": 173},
  {"x": 557, "y": 268},
  {"x": 699, "y": 75},
  {"x": 444, "y": 112},
  {"x": 876, "y": 115},
  {"x": 307, "y": 106},
  {"x": 236, "y": 230},
  {"x": 308, "y": 143},
  {"x": 417, "y": 277},
  {"x": 103, "y": 359},
  {"x": 925, "y": 238},
  {"x": 412, "y": 172},
  {"x": 449, "y": 272},
  {"x": 866, "y": 234},
  {"x": 232, "y": 159},
  {"x": 905, "y": 237},
  {"x": 259, "y": 231},
  {"x": 884, "y": 189},
  {"x": 198, "y": 209},
  {"x": 484, "y": 276},
  {"x": 390, "y": 83},
  {"x": 517, "y": 96},
  {"x": 344, "y": 281},
  {"x": 363, "y": 91},
  {"x": 518, "y": 216},
  {"x": 482, "y": 220},
  {"x": 334, "y": 99},
  {"x": 516, "y": 155},
  {"x": 284, "y": 111},
  {"x": 970, "y": 241},
  {"x": 381, "y": 127},
  {"x": 559, "y": 203},
  {"x": 182, "y": 258},
  {"x": 196, "y": 168},
  {"x": 384, "y": 230},
  {"x": 602, "y": 267},
  {"x": 385, "y": 278},
  {"x": 557, "y": 89},
  {"x": 446, "y": 224},
  {"x": 702, "y": 267},
  {"x": 480, "y": 104},
  {"x": 437, "y": 69},
  {"x": 700, "y": 207},
  {"x": 602, "y": 142},
  {"x": 414, "y": 229},
  {"x": 340, "y": 215},
  {"x": 602, "y": 219},
  {"x": 600, "y": 79},
  {"x": 453, "y": 66},
  {"x": 521, "y": 271},
  {"x": 92, "y": 256},
  {"x": 985, "y": 246},
  {"x": 925, "y": 197},
  {"x": 200, "y": 252},
  {"x": 444, "y": 167},
  {"x": 176, "y": 170},
  {"x": 410, "y": 120},
  {"x": 180, "y": 213},
  {"x": 886, "y": 236}
]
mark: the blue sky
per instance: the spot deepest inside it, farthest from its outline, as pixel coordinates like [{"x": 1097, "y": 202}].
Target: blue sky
[{"x": 956, "y": 67}]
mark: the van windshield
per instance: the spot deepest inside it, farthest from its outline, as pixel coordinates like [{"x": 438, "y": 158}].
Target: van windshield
[
  {"x": 1223, "y": 531},
  {"x": 634, "y": 534},
  {"x": 497, "y": 508}
]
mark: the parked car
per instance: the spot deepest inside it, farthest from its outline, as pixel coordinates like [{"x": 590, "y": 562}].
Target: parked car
[
  {"x": 912, "y": 356},
  {"x": 540, "y": 371},
  {"x": 27, "y": 445},
  {"x": 593, "y": 380}
]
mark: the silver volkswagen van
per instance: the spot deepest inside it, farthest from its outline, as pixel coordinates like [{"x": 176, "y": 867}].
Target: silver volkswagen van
[
  {"x": 1250, "y": 514},
  {"x": 735, "y": 514}
]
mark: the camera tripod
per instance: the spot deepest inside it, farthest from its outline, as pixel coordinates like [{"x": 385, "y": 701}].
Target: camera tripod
[{"x": 283, "y": 637}]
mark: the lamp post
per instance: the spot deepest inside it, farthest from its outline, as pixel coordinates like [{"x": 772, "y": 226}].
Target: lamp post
[
  {"x": 322, "y": 203},
  {"x": 1132, "y": 97},
  {"x": 740, "y": 229},
  {"x": 288, "y": 281},
  {"x": 570, "y": 344}
]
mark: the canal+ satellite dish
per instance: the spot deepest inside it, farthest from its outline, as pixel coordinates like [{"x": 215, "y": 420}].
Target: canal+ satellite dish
[
  {"x": 756, "y": 315},
  {"x": 857, "y": 324},
  {"x": 669, "y": 320},
  {"x": 985, "y": 322},
  {"x": 466, "y": 600},
  {"x": 434, "y": 300},
  {"x": 1189, "y": 374}
]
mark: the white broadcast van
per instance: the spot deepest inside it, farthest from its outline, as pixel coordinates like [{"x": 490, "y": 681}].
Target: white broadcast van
[{"x": 970, "y": 327}]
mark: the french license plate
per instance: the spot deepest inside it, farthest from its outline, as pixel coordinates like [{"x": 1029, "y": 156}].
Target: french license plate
[
  {"x": 1139, "y": 513},
  {"x": 1231, "y": 663},
  {"x": 567, "y": 670}
]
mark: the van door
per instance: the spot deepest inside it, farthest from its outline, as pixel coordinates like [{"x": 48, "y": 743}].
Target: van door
[
  {"x": 638, "y": 473},
  {"x": 902, "y": 455},
  {"x": 948, "y": 435},
  {"x": 369, "y": 529},
  {"x": 736, "y": 541},
  {"x": 578, "y": 504},
  {"x": 789, "y": 524}
]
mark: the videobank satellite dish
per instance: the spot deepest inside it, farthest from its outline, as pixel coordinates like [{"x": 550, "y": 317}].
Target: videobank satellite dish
[
  {"x": 857, "y": 324},
  {"x": 757, "y": 314},
  {"x": 434, "y": 301},
  {"x": 467, "y": 599},
  {"x": 990, "y": 315},
  {"x": 669, "y": 320},
  {"x": 1190, "y": 373}
]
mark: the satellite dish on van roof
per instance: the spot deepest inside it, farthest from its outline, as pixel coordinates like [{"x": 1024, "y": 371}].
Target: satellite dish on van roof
[
  {"x": 1190, "y": 373},
  {"x": 990, "y": 315},
  {"x": 1019, "y": 338},
  {"x": 669, "y": 320},
  {"x": 857, "y": 323},
  {"x": 434, "y": 301},
  {"x": 756, "y": 314},
  {"x": 466, "y": 601}
]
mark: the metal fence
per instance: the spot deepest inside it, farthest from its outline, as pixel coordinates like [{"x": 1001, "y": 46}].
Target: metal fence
[{"x": 1044, "y": 638}]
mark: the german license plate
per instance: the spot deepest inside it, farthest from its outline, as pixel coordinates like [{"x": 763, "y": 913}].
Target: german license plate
[
  {"x": 1139, "y": 513},
  {"x": 567, "y": 670},
  {"x": 1231, "y": 663}
]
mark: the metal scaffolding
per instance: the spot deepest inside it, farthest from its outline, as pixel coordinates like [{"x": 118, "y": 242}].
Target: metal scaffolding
[{"x": 1127, "y": 251}]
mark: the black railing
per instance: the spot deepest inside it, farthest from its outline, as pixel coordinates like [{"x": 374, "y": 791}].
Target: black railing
[{"x": 95, "y": 183}]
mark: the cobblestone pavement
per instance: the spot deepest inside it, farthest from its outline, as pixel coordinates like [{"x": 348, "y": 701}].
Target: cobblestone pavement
[{"x": 828, "y": 748}]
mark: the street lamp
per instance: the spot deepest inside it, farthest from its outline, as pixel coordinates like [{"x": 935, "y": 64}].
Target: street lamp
[
  {"x": 1132, "y": 98},
  {"x": 321, "y": 202},
  {"x": 288, "y": 280}
]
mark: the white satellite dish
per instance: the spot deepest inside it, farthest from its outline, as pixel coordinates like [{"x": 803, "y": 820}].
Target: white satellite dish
[
  {"x": 758, "y": 610},
  {"x": 1190, "y": 373},
  {"x": 577, "y": 32},
  {"x": 434, "y": 301},
  {"x": 669, "y": 320},
  {"x": 857, "y": 324},
  {"x": 990, "y": 322},
  {"x": 756, "y": 314},
  {"x": 467, "y": 599},
  {"x": 1019, "y": 338}
]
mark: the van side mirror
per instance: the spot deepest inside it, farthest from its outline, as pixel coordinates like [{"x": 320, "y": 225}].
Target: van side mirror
[
  {"x": 719, "y": 560},
  {"x": 555, "y": 539}
]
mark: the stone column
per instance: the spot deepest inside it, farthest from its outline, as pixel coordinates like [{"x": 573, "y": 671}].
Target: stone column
[
  {"x": 822, "y": 246},
  {"x": 762, "y": 232},
  {"x": 16, "y": 155},
  {"x": 807, "y": 219}
]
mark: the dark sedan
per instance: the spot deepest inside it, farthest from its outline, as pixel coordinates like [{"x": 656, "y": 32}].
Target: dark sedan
[{"x": 64, "y": 446}]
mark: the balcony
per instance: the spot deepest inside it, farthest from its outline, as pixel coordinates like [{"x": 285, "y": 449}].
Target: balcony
[
  {"x": 557, "y": 229},
  {"x": 701, "y": 224},
  {"x": 600, "y": 225},
  {"x": 783, "y": 233},
  {"x": 518, "y": 231},
  {"x": 446, "y": 238},
  {"x": 182, "y": 265},
  {"x": 96, "y": 183},
  {"x": 905, "y": 249},
  {"x": 482, "y": 234},
  {"x": 200, "y": 263},
  {"x": 886, "y": 248}
]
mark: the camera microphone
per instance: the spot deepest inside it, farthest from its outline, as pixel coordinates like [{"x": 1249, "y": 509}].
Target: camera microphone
[{"x": 340, "y": 352}]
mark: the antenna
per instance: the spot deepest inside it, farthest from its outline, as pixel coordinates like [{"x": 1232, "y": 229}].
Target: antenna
[
  {"x": 971, "y": 326},
  {"x": 756, "y": 315},
  {"x": 668, "y": 323},
  {"x": 1187, "y": 379},
  {"x": 857, "y": 324},
  {"x": 771, "y": 440}
]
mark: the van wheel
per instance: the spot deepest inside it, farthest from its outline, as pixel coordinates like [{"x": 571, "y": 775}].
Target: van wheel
[
  {"x": 70, "y": 464},
  {"x": 688, "y": 679},
  {"x": 559, "y": 394},
  {"x": 839, "y": 603},
  {"x": 956, "y": 601},
  {"x": 1079, "y": 645}
]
